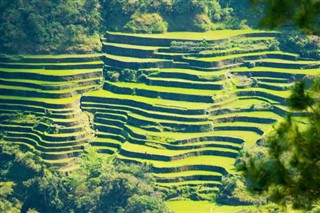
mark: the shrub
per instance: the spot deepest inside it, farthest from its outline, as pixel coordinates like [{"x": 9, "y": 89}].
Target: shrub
[
  {"x": 202, "y": 23},
  {"x": 146, "y": 23},
  {"x": 128, "y": 75},
  {"x": 189, "y": 46},
  {"x": 304, "y": 45},
  {"x": 125, "y": 75},
  {"x": 112, "y": 76}
]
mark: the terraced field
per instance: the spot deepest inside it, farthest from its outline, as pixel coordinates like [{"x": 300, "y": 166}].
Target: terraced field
[
  {"x": 40, "y": 103},
  {"x": 186, "y": 114},
  {"x": 189, "y": 114}
]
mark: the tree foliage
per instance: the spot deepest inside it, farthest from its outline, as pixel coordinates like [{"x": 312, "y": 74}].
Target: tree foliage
[
  {"x": 302, "y": 14},
  {"x": 44, "y": 26},
  {"x": 98, "y": 185},
  {"x": 297, "y": 42},
  {"x": 287, "y": 165}
]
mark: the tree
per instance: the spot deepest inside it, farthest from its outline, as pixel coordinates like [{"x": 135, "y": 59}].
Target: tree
[
  {"x": 302, "y": 14},
  {"x": 287, "y": 165},
  {"x": 100, "y": 184},
  {"x": 44, "y": 26}
]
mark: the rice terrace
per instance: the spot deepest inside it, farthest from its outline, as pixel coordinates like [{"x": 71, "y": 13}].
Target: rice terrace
[{"x": 157, "y": 122}]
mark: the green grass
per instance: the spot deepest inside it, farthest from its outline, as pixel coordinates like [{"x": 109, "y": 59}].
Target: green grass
[
  {"x": 188, "y": 182},
  {"x": 283, "y": 61},
  {"x": 225, "y": 162},
  {"x": 44, "y": 100},
  {"x": 188, "y": 206},
  {"x": 101, "y": 106},
  {"x": 187, "y": 81},
  {"x": 173, "y": 90},
  {"x": 258, "y": 114},
  {"x": 63, "y": 56},
  {"x": 133, "y": 59},
  {"x": 56, "y": 63},
  {"x": 276, "y": 70},
  {"x": 211, "y": 35},
  {"x": 185, "y": 136},
  {"x": 45, "y": 82},
  {"x": 158, "y": 120},
  {"x": 185, "y": 174},
  {"x": 190, "y": 71},
  {"x": 131, "y": 46},
  {"x": 220, "y": 58},
  {"x": 61, "y": 91},
  {"x": 166, "y": 152},
  {"x": 154, "y": 101},
  {"x": 51, "y": 72}
]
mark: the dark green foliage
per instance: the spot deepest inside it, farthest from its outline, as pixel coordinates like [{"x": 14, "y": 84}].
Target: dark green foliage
[
  {"x": 185, "y": 47},
  {"x": 233, "y": 192},
  {"x": 299, "y": 99},
  {"x": 302, "y": 14},
  {"x": 125, "y": 75},
  {"x": 146, "y": 23},
  {"x": 188, "y": 15},
  {"x": 7, "y": 201},
  {"x": 98, "y": 185},
  {"x": 242, "y": 10},
  {"x": 38, "y": 26},
  {"x": 305, "y": 45},
  {"x": 287, "y": 164}
]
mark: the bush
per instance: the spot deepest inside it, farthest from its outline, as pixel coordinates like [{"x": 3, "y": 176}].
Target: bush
[
  {"x": 187, "y": 47},
  {"x": 233, "y": 192},
  {"x": 202, "y": 23},
  {"x": 146, "y": 23},
  {"x": 112, "y": 76},
  {"x": 125, "y": 75},
  {"x": 43, "y": 27},
  {"x": 128, "y": 75},
  {"x": 302, "y": 44}
]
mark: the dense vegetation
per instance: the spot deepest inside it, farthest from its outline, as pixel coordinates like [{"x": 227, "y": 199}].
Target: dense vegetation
[
  {"x": 286, "y": 164},
  {"x": 98, "y": 185},
  {"x": 36, "y": 26},
  {"x": 302, "y": 14}
]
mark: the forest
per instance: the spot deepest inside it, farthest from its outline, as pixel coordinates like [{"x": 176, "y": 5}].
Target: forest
[{"x": 36, "y": 26}]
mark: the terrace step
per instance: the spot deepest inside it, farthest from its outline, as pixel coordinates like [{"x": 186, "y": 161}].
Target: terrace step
[
  {"x": 52, "y": 58},
  {"x": 163, "y": 105},
  {"x": 131, "y": 150},
  {"x": 116, "y": 109},
  {"x": 107, "y": 142},
  {"x": 183, "y": 83},
  {"x": 106, "y": 135},
  {"x": 186, "y": 74},
  {"x": 54, "y": 66},
  {"x": 191, "y": 183},
  {"x": 135, "y": 63},
  {"x": 189, "y": 95},
  {"x": 128, "y": 50},
  {"x": 108, "y": 128},
  {"x": 273, "y": 80},
  {"x": 200, "y": 177}
]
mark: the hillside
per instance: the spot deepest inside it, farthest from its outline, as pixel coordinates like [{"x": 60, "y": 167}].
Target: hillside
[
  {"x": 184, "y": 103},
  {"x": 59, "y": 27}
]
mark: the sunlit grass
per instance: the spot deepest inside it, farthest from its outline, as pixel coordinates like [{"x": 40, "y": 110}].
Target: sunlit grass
[{"x": 210, "y": 35}]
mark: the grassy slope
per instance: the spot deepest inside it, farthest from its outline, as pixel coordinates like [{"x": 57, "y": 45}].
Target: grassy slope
[{"x": 211, "y": 35}]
